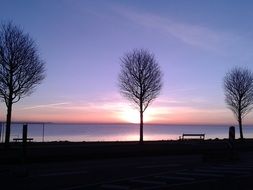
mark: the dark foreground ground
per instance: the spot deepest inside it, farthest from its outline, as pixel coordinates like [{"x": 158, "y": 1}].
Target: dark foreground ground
[{"x": 172, "y": 165}]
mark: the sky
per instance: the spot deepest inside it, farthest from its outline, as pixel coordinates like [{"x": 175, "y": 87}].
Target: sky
[{"x": 195, "y": 42}]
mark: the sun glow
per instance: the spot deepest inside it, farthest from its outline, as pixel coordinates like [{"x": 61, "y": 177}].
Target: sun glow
[{"x": 132, "y": 115}]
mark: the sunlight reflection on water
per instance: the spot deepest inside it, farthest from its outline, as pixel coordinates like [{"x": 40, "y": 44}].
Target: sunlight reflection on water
[{"x": 120, "y": 132}]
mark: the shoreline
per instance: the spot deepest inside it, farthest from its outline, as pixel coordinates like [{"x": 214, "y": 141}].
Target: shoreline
[{"x": 101, "y": 133}]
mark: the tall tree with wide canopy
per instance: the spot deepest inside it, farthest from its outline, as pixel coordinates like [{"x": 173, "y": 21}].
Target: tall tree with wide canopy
[
  {"x": 21, "y": 68},
  {"x": 238, "y": 87},
  {"x": 140, "y": 80}
]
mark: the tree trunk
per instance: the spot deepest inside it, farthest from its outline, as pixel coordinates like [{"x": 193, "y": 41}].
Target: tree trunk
[
  {"x": 240, "y": 127},
  {"x": 8, "y": 124},
  {"x": 141, "y": 126}
]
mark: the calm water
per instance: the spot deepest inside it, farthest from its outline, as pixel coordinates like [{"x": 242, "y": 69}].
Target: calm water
[{"x": 120, "y": 132}]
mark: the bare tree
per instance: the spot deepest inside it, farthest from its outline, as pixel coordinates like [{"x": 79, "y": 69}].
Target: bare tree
[
  {"x": 238, "y": 86},
  {"x": 140, "y": 80},
  {"x": 21, "y": 69}
]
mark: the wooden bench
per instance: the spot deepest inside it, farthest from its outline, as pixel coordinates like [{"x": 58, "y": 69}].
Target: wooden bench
[
  {"x": 200, "y": 135},
  {"x": 21, "y": 139}
]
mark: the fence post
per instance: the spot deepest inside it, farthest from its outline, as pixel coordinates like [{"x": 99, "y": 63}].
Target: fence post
[
  {"x": 24, "y": 133},
  {"x": 231, "y": 133},
  {"x": 43, "y": 133},
  {"x": 1, "y": 132}
]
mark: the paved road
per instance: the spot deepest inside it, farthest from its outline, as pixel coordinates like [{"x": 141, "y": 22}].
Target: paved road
[{"x": 167, "y": 172}]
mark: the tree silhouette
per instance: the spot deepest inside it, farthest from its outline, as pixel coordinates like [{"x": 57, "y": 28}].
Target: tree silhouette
[
  {"x": 140, "y": 80},
  {"x": 21, "y": 69},
  {"x": 238, "y": 86}
]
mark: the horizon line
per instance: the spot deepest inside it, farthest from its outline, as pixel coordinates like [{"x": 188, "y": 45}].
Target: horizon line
[{"x": 117, "y": 123}]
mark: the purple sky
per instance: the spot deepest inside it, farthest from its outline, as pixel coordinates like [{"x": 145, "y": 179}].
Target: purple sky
[{"x": 195, "y": 43}]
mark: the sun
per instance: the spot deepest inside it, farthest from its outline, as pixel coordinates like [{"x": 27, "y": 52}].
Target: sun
[{"x": 132, "y": 115}]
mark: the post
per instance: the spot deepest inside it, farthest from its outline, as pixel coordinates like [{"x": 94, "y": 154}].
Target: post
[
  {"x": 25, "y": 128},
  {"x": 1, "y": 132},
  {"x": 231, "y": 133},
  {"x": 43, "y": 132},
  {"x": 24, "y": 134},
  {"x": 231, "y": 139}
]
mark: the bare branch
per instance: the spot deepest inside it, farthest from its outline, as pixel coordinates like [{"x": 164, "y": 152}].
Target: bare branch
[
  {"x": 21, "y": 69},
  {"x": 140, "y": 80},
  {"x": 238, "y": 87}
]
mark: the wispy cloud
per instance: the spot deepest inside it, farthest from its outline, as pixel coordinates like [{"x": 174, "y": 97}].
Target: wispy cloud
[
  {"x": 192, "y": 34},
  {"x": 163, "y": 110},
  {"x": 114, "y": 103},
  {"x": 55, "y": 105}
]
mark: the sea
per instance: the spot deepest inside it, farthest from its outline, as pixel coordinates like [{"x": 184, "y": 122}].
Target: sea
[{"x": 45, "y": 132}]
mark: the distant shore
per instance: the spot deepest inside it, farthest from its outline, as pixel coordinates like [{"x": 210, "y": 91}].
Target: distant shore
[{"x": 64, "y": 151}]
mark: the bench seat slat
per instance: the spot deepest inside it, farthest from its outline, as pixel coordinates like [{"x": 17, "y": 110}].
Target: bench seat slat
[
  {"x": 193, "y": 134},
  {"x": 21, "y": 139},
  {"x": 200, "y": 135}
]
